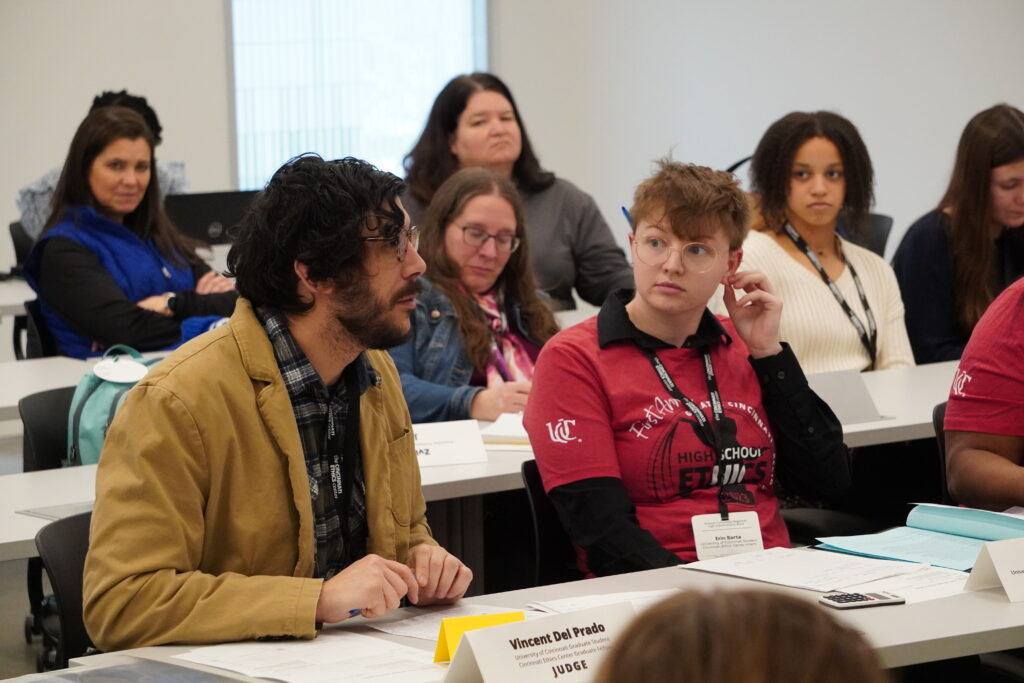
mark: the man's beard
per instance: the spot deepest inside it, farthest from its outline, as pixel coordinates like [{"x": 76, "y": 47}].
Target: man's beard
[{"x": 366, "y": 318}]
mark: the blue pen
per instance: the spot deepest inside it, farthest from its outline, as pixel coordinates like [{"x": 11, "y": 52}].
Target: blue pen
[
  {"x": 353, "y": 612},
  {"x": 625, "y": 212}
]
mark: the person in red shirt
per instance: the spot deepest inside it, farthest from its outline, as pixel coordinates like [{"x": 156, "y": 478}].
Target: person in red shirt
[
  {"x": 985, "y": 414},
  {"x": 656, "y": 420}
]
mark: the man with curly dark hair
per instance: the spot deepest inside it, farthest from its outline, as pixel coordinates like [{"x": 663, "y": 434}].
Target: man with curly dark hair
[{"x": 262, "y": 479}]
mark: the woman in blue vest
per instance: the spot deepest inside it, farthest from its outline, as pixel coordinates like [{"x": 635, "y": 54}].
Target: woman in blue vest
[{"x": 110, "y": 268}]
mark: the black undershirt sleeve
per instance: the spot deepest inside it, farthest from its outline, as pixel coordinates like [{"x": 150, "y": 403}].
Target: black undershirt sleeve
[
  {"x": 80, "y": 290},
  {"x": 599, "y": 517},
  {"x": 811, "y": 458},
  {"x": 74, "y": 283}
]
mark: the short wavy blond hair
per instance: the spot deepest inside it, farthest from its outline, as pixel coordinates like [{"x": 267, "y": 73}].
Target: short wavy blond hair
[{"x": 695, "y": 200}]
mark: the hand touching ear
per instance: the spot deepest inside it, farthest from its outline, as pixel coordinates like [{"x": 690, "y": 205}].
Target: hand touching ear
[{"x": 756, "y": 315}]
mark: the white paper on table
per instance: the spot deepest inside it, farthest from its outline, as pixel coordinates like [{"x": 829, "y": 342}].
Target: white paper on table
[
  {"x": 639, "y": 599},
  {"x": 448, "y": 443},
  {"x": 508, "y": 428},
  {"x": 927, "y": 583},
  {"x": 54, "y": 512},
  {"x": 426, "y": 626},
  {"x": 817, "y": 570},
  {"x": 334, "y": 655}
]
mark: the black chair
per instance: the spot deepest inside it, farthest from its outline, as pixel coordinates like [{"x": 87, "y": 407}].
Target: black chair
[
  {"x": 23, "y": 242},
  {"x": 39, "y": 341},
  {"x": 938, "y": 420},
  {"x": 22, "y": 246},
  {"x": 555, "y": 554},
  {"x": 44, "y": 446},
  {"x": 807, "y": 524},
  {"x": 62, "y": 546},
  {"x": 875, "y": 235}
]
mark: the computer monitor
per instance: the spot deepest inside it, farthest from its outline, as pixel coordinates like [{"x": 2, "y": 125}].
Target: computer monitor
[{"x": 207, "y": 216}]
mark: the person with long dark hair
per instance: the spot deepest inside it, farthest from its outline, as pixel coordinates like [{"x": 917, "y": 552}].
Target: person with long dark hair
[
  {"x": 957, "y": 258},
  {"x": 843, "y": 306},
  {"x": 475, "y": 122},
  {"x": 110, "y": 267},
  {"x": 479, "y": 322}
]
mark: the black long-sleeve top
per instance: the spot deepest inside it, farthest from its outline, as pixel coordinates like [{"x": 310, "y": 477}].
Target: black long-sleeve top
[
  {"x": 924, "y": 268},
  {"x": 77, "y": 287}
]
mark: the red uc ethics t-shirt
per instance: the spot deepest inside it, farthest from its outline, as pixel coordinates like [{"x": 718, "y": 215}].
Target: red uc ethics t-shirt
[{"x": 604, "y": 412}]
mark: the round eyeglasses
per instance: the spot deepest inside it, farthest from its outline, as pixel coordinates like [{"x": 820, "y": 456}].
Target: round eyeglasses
[
  {"x": 409, "y": 237},
  {"x": 476, "y": 237},
  {"x": 695, "y": 256}
]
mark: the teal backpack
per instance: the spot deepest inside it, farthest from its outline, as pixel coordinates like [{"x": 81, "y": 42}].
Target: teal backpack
[{"x": 98, "y": 396}]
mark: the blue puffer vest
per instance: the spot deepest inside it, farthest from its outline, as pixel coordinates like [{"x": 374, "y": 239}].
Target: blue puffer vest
[{"x": 137, "y": 267}]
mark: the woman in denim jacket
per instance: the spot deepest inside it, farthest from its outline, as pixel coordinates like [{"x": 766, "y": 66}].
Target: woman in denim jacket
[{"x": 479, "y": 321}]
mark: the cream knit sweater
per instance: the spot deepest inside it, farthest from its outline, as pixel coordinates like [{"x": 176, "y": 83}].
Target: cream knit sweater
[{"x": 814, "y": 324}]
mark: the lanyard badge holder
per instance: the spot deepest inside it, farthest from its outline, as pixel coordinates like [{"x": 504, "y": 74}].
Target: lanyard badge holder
[
  {"x": 868, "y": 336},
  {"x": 722, "y": 533}
]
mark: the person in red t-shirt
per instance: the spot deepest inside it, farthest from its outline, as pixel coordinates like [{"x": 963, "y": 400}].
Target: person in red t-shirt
[
  {"x": 655, "y": 421},
  {"x": 985, "y": 415}
]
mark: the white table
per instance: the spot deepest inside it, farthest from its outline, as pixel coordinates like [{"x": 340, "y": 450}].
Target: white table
[
  {"x": 13, "y": 295},
  {"x": 19, "y": 378},
  {"x": 905, "y": 397},
  {"x": 906, "y": 394},
  {"x": 966, "y": 624},
  {"x": 78, "y": 484}
]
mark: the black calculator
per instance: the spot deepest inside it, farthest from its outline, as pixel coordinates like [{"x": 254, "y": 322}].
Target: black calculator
[{"x": 841, "y": 600}]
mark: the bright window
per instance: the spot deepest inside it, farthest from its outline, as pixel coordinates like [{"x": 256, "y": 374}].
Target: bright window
[{"x": 344, "y": 77}]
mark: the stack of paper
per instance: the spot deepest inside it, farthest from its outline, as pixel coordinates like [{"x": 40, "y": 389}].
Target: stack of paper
[
  {"x": 939, "y": 535},
  {"x": 639, "y": 599},
  {"x": 507, "y": 429}
]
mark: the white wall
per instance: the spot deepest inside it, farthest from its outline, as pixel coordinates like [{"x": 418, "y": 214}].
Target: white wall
[
  {"x": 606, "y": 86},
  {"x": 55, "y": 55}
]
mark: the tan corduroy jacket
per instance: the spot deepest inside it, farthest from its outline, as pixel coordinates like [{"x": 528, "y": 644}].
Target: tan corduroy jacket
[{"x": 203, "y": 525}]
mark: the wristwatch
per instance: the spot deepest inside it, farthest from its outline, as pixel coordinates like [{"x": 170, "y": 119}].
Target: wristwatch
[{"x": 171, "y": 302}]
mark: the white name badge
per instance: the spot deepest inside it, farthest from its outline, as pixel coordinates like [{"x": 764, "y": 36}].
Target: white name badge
[
  {"x": 563, "y": 647},
  {"x": 120, "y": 369},
  {"x": 448, "y": 443},
  {"x": 1000, "y": 563},
  {"x": 717, "y": 537}
]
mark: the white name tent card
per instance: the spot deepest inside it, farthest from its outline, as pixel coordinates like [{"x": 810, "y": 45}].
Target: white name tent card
[
  {"x": 846, "y": 394},
  {"x": 561, "y": 647},
  {"x": 448, "y": 443},
  {"x": 1000, "y": 563}
]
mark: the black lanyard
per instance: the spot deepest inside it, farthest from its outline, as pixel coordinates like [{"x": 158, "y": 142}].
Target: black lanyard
[
  {"x": 869, "y": 336},
  {"x": 708, "y": 430},
  {"x": 343, "y": 452}
]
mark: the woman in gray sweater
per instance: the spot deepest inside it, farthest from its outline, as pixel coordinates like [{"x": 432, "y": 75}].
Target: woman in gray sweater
[{"x": 475, "y": 122}]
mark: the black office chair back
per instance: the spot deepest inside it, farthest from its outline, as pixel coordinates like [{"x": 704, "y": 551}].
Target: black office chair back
[
  {"x": 875, "y": 234},
  {"x": 44, "y": 416},
  {"x": 62, "y": 545},
  {"x": 23, "y": 242},
  {"x": 556, "y": 556},
  {"x": 938, "y": 420},
  {"x": 39, "y": 342}
]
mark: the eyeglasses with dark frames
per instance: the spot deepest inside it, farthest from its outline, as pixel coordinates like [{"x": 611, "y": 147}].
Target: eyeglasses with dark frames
[{"x": 477, "y": 237}]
